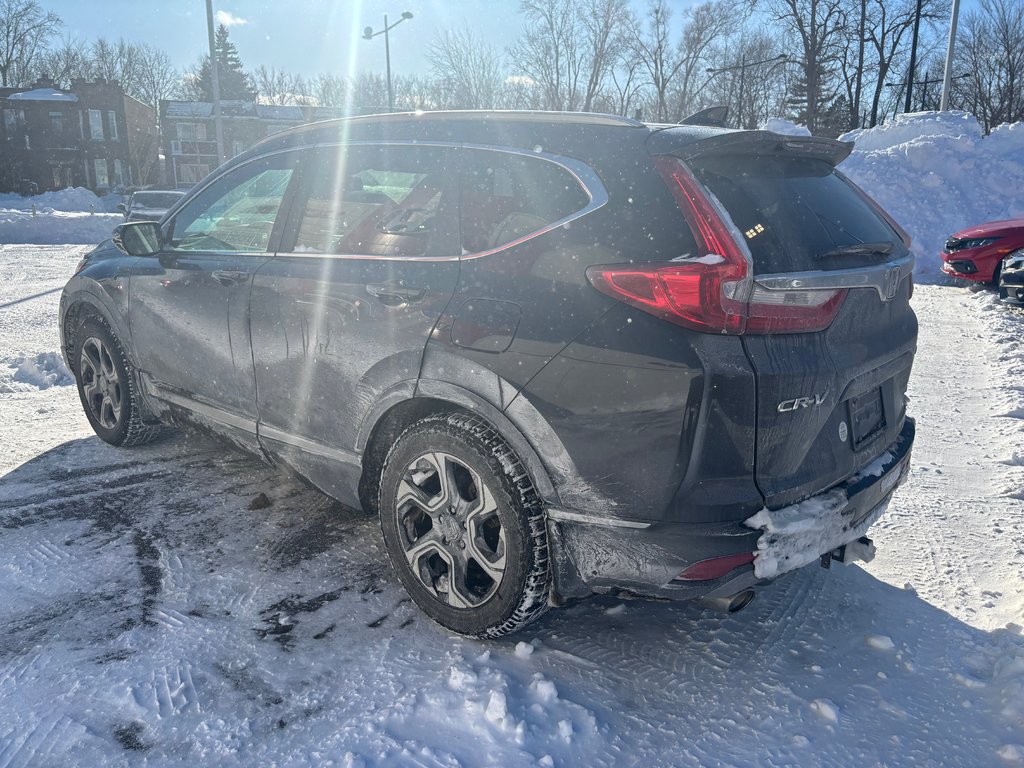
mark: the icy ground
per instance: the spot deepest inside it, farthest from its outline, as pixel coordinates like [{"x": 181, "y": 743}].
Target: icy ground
[{"x": 150, "y": 615}]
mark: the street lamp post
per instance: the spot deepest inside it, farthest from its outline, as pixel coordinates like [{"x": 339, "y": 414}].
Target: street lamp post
[
  {"x": 369, "y": 34},
  {"x": 743, "y": 66}
]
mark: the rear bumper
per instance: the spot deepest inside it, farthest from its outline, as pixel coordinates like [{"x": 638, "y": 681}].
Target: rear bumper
[{"x": 600, "y": 555}]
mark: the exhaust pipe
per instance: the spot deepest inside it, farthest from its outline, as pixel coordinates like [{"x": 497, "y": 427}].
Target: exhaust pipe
[{"x": 729, "y": 603}]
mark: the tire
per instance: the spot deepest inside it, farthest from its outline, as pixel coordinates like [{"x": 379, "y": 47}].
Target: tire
[
  {"x": 477, "y": 563},
  {"x": 107, "y": 387},
  {"x": 996, "y": 274}
]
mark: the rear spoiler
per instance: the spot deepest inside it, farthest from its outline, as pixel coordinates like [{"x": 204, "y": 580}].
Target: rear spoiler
[{"x": 688, "y": 145}]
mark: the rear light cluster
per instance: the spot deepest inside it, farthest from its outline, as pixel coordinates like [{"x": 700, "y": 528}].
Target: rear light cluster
[{"x": 714, "y": 291}]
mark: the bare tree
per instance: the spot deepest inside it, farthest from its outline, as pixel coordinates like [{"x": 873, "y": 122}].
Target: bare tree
[
  {"x": 820, "y": 28},
  {"x": 25, "y": 29},
  {"x": 705, "y": 26},
  {"x": 66, "y": 62},
  {"x": 467, "y": 70},
  {"x": 654, "y": 49},
  {"x": 329, "y": 90},
  {"x": 157, "y": 79},
  {"x": 992, "y": 51},
  {"x": 275, "y": 86},
  {"x": 569, "y": 48},
  {"x": 886, "y": 29}
]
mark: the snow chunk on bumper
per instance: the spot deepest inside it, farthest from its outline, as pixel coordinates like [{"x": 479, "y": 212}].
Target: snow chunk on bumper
[{"x": 799, "y": 534}]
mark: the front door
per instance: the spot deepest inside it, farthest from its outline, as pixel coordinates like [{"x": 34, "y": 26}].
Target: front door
[{"x": 189, "y": 306}]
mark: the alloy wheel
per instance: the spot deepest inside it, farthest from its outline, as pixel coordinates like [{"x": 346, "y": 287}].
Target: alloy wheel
[
  {"x": 450, "y": 530},
  {"x": 101, "y": 384}
]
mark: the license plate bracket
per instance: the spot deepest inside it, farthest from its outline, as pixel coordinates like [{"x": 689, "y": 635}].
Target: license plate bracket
[{"x": 867, "y": 417}]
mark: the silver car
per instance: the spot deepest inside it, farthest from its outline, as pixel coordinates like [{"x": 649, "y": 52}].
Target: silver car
[{"x": 150, "y": 204}]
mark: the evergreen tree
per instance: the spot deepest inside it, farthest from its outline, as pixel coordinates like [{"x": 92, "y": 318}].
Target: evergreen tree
[{"x": 235, "y": 82}]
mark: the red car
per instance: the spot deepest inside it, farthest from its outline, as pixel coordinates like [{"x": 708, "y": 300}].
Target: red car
[{"x": 976, "y": 253}]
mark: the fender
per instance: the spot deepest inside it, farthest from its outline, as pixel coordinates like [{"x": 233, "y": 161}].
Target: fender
[
  {"x": 80, "y": 291},
  {"x": 521, "y": 444}
]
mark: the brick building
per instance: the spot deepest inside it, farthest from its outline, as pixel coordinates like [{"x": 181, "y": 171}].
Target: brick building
[
  {"x": 91, "y": 135},
  {"x": 190, "y": 139}
]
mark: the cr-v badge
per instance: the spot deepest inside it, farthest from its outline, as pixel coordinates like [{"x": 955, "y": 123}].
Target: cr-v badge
[{"x": 801, "y": 402}]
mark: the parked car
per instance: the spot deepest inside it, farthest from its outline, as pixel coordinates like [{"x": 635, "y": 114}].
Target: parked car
[
  {"x": 150, "y": 204},
  {"x": 1011, "y": 279},
  {"x": 556, "y": 354},
  {"x": 976, "y": 253}
]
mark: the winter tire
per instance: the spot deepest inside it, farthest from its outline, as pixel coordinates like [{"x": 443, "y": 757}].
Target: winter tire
[
  {"x": 464, "y": 527},
  {"x": 107, "y": 387}
]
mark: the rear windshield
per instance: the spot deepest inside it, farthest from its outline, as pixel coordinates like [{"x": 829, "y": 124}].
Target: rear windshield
[
  {"x": 796, "y": 212},
  {"x": 155, "y": 199}
]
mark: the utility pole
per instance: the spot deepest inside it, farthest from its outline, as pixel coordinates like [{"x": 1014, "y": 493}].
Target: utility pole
[
  {"x": 947, "y": 79},
  {"x": 218, "y": 123},
  {"x": 369, "y": 34},
  {"x": 860, "y": 65},
  {"x": 913, "y": 59}
]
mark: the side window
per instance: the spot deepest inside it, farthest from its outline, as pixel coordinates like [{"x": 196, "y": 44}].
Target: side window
[
  {"x": 507, "y": 196},
  {"x": 237, "y": 212},
  {"x": 376, "y": 201}
]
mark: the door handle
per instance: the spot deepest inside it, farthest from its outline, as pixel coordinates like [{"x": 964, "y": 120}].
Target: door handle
[
  {"x": 394, "y": 294},
  {"x": 229, "y": 277}
]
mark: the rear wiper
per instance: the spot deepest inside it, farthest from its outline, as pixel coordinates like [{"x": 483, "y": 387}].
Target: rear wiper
[{"x": 859, "y": 249}]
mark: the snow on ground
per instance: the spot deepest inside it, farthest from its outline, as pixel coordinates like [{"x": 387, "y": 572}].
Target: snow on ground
[
  {"x": 73, "y": 215},
  {"x": 937, "y": 174},
  {"x": 153, "y": 613}
]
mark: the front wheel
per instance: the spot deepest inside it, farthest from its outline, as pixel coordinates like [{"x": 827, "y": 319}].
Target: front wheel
[
  {"x": 107, "y": 389},
  {"x": 464, "y": 527}
]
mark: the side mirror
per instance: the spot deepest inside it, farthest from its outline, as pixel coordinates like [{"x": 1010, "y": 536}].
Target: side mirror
[
  {"x": 138, "y": 238},
  {"x": 122, "y": 208}
]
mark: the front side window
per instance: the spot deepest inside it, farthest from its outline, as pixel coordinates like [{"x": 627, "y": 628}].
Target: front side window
[
  {"x": 96, "y": 125},
  {"x": 378, "y": 201},
  {"x": 237, "y": 212},
  {"x": 507, "y": 196}
]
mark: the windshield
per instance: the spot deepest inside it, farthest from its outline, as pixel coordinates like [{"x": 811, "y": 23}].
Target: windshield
[{"x": 798, "y": 214}]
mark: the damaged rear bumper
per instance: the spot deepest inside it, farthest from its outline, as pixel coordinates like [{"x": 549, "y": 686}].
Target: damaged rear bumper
[{"x": 646, "y": 558}]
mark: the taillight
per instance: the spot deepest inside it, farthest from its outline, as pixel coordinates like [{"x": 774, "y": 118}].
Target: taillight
[{"x": 712, "y": 291}]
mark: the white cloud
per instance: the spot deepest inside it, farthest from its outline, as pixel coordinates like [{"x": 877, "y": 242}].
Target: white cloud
[{"x": 228, "y": 19}]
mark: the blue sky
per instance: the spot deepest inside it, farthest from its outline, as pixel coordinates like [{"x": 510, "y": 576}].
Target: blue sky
[{"x": 305, "y": 36}]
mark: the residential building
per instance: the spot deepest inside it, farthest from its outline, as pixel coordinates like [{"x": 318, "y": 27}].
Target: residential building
[
  {"x": 91, "y": 135},
  {"x": 190, "y": 139}
]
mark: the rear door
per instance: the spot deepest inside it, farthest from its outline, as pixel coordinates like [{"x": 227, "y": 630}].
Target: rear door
[
  {"x": 828, "y": 401},
  {"x": 340, "y": 316}
]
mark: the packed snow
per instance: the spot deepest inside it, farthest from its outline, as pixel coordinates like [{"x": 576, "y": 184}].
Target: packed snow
[
  {"x": 185, "y": 604},
  {"x": 937, "y": 174}
]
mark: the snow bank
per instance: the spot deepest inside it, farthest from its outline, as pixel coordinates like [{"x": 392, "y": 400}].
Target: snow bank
[
  {"x": 40, "y": 371},
  {"x": 936, "y": 173},
  {"x": 72, "y": 215},
  {"x": 70, "y": 199},
  {"x": 49, "y": 226}
]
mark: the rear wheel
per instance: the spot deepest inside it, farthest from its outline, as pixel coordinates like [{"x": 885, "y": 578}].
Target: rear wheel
[
  {"x": 464, "y": 527},
  {"x": 107, "y": 388}
]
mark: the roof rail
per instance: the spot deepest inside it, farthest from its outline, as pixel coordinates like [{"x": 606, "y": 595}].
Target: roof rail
[{"x": 505, "y": 115}]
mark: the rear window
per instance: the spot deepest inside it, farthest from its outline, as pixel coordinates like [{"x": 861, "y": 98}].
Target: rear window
[
  {"x": 793, "y": 211},
  {"x": 155, "y": 199}
]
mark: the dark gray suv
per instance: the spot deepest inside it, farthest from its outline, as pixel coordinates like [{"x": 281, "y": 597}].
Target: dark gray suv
[{"x": 557, "y": 354}]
